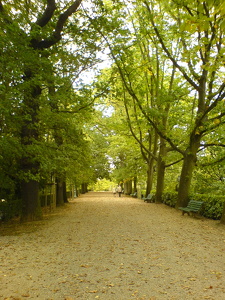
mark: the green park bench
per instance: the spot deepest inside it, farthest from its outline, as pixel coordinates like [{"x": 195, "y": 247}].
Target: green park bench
[
  {"x": 134, "y": 195},
  {"x": 148, "y": 199},
  {"x": 193, "y": 207}
]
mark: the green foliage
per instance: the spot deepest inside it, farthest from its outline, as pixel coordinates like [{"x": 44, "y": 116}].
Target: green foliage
[
  {"x": 102, "y": 185},
  {"x": 50, "y": 117},
  {"x": 213, "y": 205},
  {"x": 170, "y": 198},
  {"x": 9, "y": 209},
  {"x": 212, "y": 208},
  {"x": 209, "y": 176},
  {"x": 45, "y": 103}
]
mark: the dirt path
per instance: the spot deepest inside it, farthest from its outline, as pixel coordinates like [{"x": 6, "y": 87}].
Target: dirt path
[{"x": 111, "y": 248}]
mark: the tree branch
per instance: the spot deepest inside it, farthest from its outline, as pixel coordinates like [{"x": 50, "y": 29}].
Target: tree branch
[
  {"x": 48, "y": 13},
  {"x": 174, "y": 163},
  {"x": 169, "y": 55},
  {"x": 128, "y": 86},
  {"x": 221, "y": 96},
  {"x": 4, "y": 14},
  {"x": 212, "y": 163},
  {"x": 56, "y": 36},
  {"x": 212, "y": 145},
  {"x": 139, "y": 140}
]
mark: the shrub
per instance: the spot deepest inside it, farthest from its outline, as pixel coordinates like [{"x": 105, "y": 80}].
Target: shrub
[
  {"x": 9, "y": 209},
  {"x": 170, "y": 198},
  {"x": 212, "y": 208},
  {"x": 213, "y": 205}
]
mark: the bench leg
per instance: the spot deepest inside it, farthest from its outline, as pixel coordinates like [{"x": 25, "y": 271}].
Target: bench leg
[{"x": 185, "y": 212}]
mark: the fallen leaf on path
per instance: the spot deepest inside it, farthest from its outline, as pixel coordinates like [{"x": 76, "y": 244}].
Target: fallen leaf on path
[{"x": 85, "y": 266}]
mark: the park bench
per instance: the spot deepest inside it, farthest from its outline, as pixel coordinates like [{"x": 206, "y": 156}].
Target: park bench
[
  {"x": 134, "y": 195},
  {"x": 148, "y": 199},
  {"x": 193, "y": 207}
]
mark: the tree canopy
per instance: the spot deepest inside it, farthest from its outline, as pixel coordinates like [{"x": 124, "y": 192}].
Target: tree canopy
[{"x": 153, "y": 116}]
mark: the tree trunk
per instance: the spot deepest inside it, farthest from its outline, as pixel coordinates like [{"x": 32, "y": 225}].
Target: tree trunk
[
  {"x": 29, "y": 163},
  {"x": 223, "y": 215},
  {"x": 160, "y": 171},
  {"x": 65, "y": 199},
  {"x": 160, "y": 181},
  {"x": 125, "y": 187},
  {"x": 31, "y": 208},
  {"x": 149, "y": 176},
  {"x": 135, "y": 184},
  {"x": 185, "y": 179},
  {"x": 128, "y": 187},
  {"x": 84, "y": 188},
  {"x": 59, "y": 191},
  {"x": 61, "y": 196}
]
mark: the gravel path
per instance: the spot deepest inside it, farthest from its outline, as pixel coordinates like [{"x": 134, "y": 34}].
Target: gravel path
[{"x": 104, "y": 247}]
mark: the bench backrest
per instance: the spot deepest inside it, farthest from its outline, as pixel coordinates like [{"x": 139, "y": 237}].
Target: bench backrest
[{"x": 194, "y": 205}]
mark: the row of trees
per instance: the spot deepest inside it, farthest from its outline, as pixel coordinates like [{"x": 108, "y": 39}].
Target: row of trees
[
  {"x": 165, "y": 88},
  {"x": 167, "y": 84},
  {"x": 45, "y": 104}
]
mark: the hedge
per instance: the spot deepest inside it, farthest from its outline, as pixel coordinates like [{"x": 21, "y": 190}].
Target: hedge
[
  {"x": 170, "y": 198},
  {"x": 212, "y": 208},
  {"x": 9, "y": 209},
  {"x": 213, "y": 205}
]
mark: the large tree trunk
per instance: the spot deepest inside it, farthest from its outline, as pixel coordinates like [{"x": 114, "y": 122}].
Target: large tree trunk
[
  {"x": 128, "y": 187},
  {"x": 150, "y": 171},
  {"x": 65, "y": 198},
  {"x": 135, "y": 184},
  {"x": 31, "y": 208},
  {"x": 84, "y": 188},
  {"x": 151, "y": 161},
  {"x": 160, "y": 171},
  {"x": 59, "y": 191},
  {"x": 29, "y": 163},
  {"x": 185, "y": 180},
  {"x": 61, "y": 196},
  {"x": 189, "y": 163}
]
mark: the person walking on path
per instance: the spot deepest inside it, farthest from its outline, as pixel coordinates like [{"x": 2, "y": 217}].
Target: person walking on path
[{"x": 119, "y": 190}]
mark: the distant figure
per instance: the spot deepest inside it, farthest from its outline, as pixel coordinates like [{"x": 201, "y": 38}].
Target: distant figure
[
  {"x": 114, "y": 191},
  {"x": 119, "y": 190}
]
